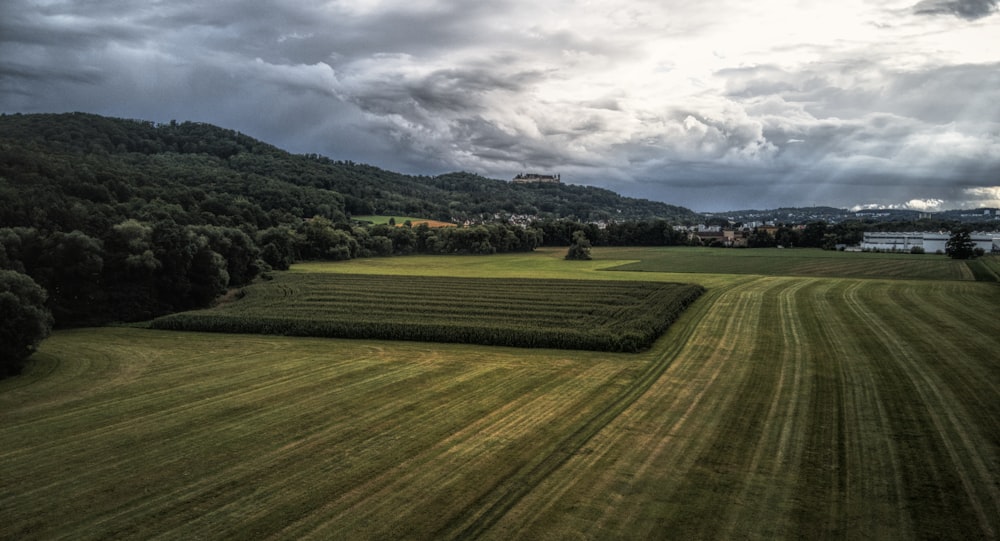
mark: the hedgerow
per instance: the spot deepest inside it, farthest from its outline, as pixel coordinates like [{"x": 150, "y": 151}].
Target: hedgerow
[{"x": 564, "y": 314}]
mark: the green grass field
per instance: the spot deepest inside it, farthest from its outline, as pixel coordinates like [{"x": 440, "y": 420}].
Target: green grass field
[
  {"x": 776, "y": 407},
  {"x": 801, "y": 262}
]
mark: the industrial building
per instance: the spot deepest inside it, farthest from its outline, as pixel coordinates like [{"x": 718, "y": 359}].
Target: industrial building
[{"x": 894, "y": 241}]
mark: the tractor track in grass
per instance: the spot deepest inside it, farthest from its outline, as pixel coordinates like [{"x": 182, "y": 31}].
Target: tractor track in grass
[
  {"x": 355, "y": 495},
  {"x": 656, "y": 433},
  {"x": 474, "y": 443},
  {"x": 172, "y": 444},
  {"x": 489, "y": 509},
  {"x": 777, "y": 453},
  {"x": 952, "y": 433},
  {"x": 803, "y": 431},
  {"x": 852, "y": 471},
  {"x": 281, "y": 461},
  {"x": 696, "y": 400}
]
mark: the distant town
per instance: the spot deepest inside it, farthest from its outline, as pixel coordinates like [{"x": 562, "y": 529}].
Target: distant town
[
  {"x": 834, "y": 215},
  {"x": 803, "y": 215}
]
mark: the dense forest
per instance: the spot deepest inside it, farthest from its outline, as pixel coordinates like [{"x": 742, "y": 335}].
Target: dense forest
[{"x": 57, "y": 160}]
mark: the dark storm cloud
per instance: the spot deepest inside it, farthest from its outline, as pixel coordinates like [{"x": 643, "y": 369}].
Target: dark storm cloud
[
  {"x": 966, "y": 9},
  {"x": 642, "y": 97},
  {"x": 461, "y": 90},
  {"x": 13, "y": 71},
  {"x": 488, "y": 142},
  {"x": 24, "y": 28}
]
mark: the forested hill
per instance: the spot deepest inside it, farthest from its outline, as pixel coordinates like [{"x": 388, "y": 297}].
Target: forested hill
[{"x": 65, "y": 163}]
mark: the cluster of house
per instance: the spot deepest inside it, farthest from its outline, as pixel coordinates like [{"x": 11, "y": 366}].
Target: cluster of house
[
  {"x": 716, "y": 235},
  {"x": 931, "y": 243}
]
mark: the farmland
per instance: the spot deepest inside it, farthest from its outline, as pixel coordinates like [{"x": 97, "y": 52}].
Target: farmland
[
  {"x": 400, "y": 220},
  {"x": 570, "y": 314},
  {"x": 802, "y": 263},
  {"x": 775, "y": 407}
]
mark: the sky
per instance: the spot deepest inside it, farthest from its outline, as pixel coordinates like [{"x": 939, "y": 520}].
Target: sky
[{"x": 715, "y": 105}]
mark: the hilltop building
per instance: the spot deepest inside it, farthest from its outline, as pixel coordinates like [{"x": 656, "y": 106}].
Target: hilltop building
[{"x": 531, "y": 178}]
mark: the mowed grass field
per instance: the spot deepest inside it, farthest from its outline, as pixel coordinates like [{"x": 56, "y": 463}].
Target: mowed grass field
[
  {"x": 807, "y": 262},
  {"x": 775, "y": 407}
]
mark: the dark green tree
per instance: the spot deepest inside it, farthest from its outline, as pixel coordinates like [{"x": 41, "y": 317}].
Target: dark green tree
[
  {"x": 813, "y": 235},
  {"x": 786, "y": 236},
  {"x": 278, "y": 246},
  {"x": 960, "y": 245},
  {"x": 760, "y": 238},
  {"x": 237, "y": 248},
  {"x": 579, "y": 250},
  {"x": 404, "y": 239},
  {"x": 130, "y": 271},
  {"x": 70, "y": 270},
  {"x": 323, "y": 240},
  {"x": 191, "y": 274},
  {"x": 25, "y": 322}
]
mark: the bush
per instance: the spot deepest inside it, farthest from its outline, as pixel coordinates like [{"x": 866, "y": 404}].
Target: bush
[
  {"x": 917, "y": 250},
  {"x": 25, "y": 323},
  {"x": 580, "y": 249}
]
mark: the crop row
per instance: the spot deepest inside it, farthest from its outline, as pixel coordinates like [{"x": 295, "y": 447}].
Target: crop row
[{"x": 566, "y": 314}]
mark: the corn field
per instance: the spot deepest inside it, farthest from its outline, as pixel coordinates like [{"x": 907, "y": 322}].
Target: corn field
[{"x": 566, "y": 314}]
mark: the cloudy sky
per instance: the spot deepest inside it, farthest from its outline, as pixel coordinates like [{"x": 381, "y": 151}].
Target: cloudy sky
[{"x": 714, "y": 105}]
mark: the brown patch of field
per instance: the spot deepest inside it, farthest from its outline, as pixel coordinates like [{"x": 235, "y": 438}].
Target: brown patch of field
[{"x": 430, "y": 223}]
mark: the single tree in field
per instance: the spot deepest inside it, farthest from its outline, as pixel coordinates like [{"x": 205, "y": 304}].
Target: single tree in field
[
  {"x": 960, "y": 245},
  {"x": 25, "y": 322},
  {"x": 580, "y": 248}
]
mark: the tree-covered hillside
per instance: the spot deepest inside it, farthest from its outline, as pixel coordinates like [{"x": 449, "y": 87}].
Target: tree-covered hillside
[{"x": 62, "y": 162}]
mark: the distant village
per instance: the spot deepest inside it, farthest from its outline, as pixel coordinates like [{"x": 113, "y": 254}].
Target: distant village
[
  {"x": 744, "y": 224},
  {"x": 872, "y": 241},
  {"x": 834, "y": 215}
]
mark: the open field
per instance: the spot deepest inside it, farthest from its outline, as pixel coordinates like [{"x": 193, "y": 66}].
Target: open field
[
  {"x": 802, "y": 262},
  {"x": 776, "y": 407},
  {"x": 570, "y": 314},
  {"x": 986, "y": 269},
  {"x": 400, "y": 220},
  {"x": 132, "y": 433}
]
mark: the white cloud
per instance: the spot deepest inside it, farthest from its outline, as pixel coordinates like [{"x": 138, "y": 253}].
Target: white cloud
[
  {"x": 925, "y": 204},
  {"x": 986, "y": 196}
]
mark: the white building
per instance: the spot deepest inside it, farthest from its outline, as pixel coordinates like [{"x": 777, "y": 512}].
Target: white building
[
  {"x": 936, "y": 242},
  {"x": 891, "y": 241},
  {"x": 932, "y": 243}
]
